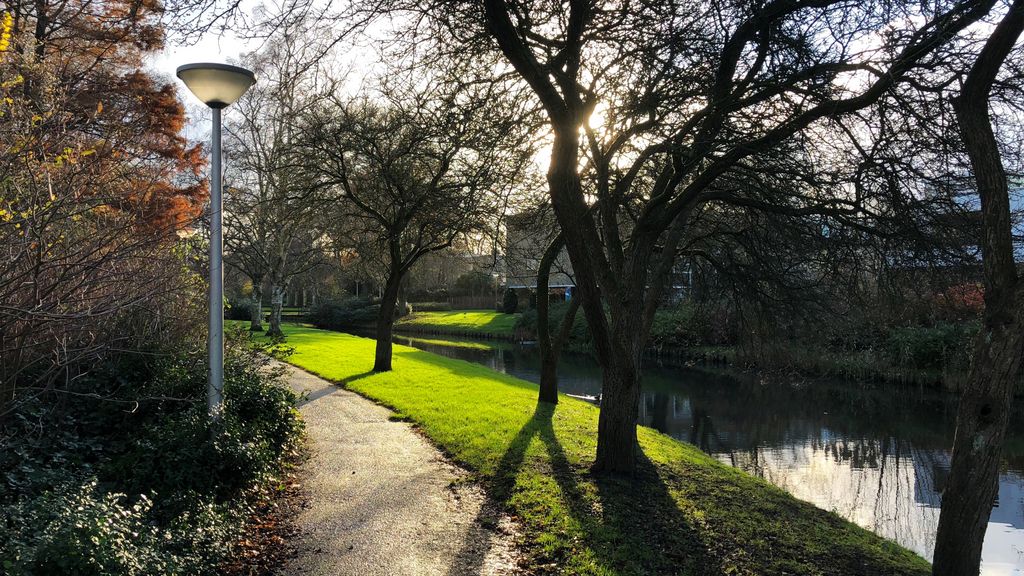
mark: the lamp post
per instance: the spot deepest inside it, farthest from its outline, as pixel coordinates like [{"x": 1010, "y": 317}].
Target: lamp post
[{"x": 218, "y": 86}]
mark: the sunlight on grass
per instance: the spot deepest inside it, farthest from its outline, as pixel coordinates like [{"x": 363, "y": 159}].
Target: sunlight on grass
[
  {"x": 684, "y": 513},
  {"x": 483, "y": 322}
]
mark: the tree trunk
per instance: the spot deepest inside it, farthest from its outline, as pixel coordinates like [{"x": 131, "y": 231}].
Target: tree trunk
[
  {"x": 550, "y": 345},
  {"x": 620, "y": 391},
  {"x": 548, "y": 379},
  {"x": 548, "y": 357},
  {"x": 403, "y": 295},
  {"x": 256, "y": 312},
  {"x": 984, "y": 409},
  {"x": 973, "y": 484},
  {"x": 385, "y": 323},
  {"x": 276, "y": 302},
  {"x": 616, "y": 427}
]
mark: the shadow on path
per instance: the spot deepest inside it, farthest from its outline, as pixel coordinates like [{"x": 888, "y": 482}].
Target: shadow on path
[
  {"x": 349, "y": 379},
  {"x": 327, "y": 388},
  {"x": 629, "y": 525},
  {"x": 315, "y": 395}
]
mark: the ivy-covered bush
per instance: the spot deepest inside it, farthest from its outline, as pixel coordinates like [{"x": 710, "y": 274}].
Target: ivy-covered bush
[
  {"x": 131, "y": 477},
  {"x": 78, "y": 528},
  {"x": 403, "y": 309},
  {"x": 431, "y": 306},
  {"x": 687, "y": 324}
]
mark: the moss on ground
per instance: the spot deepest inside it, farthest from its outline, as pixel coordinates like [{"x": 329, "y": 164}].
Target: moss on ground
[{"x": 682, "y": 513}]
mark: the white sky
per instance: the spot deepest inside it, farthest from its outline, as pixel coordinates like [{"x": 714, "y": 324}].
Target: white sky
[{"x": 224, "y": 46}]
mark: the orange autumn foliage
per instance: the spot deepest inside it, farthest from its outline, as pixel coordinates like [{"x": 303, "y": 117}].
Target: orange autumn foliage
[{"x": 121, "y": 124}]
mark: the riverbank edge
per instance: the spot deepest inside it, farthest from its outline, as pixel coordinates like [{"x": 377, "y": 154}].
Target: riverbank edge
[
  {"x": 433, "y": 330},
  {"x": 798, "y": 360},
  {"x": 684, "y": 511}
]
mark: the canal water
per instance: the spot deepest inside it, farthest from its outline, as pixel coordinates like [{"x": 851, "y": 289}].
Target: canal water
[{"x": 875, "y": 455}]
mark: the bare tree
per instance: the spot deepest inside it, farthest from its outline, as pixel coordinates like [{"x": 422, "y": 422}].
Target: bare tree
[
  {"x": 95, "y": 183},
  {"x": 273, "y": 204},
  {"x": 669, "y": 99},
  {"x": 412, "y": 171},
  {"x": 985, "y": 400}
]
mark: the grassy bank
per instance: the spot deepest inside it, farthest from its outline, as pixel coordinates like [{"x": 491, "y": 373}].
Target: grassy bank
[
  {"x": 684, "y": 513},
  {"x": 481, "y": 323},
  {"x": 455, "y": 342}
]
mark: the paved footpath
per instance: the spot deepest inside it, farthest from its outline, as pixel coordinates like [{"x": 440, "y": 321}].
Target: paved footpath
[{"x": 384, "y": 501}]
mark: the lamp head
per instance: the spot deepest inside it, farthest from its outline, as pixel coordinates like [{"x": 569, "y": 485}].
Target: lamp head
[{"x": 217, "y": 85}]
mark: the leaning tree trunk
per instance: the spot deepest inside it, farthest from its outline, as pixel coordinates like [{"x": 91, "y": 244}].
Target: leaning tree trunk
[
  {"x": 386, "y": 322},
  {"x": 550, "y": 345},
  {"x": 548, "y": 358},
  {"x": 981, "y": 422},
  {"x": 984, "y": 409},
  {"x": 256, "y": 311},
  {"x": 277, "y": 291}
]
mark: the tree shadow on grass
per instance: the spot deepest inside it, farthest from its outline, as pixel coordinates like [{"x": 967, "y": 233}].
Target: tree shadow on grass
[{"x": 626, "y": 525}]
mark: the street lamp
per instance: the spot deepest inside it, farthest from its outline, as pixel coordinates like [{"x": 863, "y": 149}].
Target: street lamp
[{"x": 218, "y": 86}]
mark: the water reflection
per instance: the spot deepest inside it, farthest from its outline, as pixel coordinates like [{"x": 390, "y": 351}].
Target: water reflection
[{"x": 874, "y": 455}]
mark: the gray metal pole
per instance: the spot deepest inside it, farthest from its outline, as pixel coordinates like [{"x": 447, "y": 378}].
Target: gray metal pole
[{"x": 216, "y": 336}]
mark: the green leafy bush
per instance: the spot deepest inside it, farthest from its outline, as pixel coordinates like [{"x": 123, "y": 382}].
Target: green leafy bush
[
  {"x": 579, "y": 335},
  {"x": 77, "y": 528},
  {"x": 344, "y": 314},
  {"x": 131, "y": 477},
  {"x": 183, "y": 452},
  {"x": 473, "y": 283}
]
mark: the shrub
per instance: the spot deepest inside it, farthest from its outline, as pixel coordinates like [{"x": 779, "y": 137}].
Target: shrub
[
  {"x": 960, "y": 302},
  {"x": 939, "y": 346},
  {"x": 578, "y": 335},
  {"x": 345, "y": 314},
  {"x": 473, "y": 283},
  {"x": 403, "y": 309},
  {"x": 180, "y": 452},
  {"x": 437, "y": 295},
  {"x": 431, "y": 306},
  {"x": 510, "y": 302},
  {"x": 240, "y": 309}
]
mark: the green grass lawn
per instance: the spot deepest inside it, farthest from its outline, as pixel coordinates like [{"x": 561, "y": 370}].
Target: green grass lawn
[
  {"x": 683, "y": 513},
  {"x": 466, "y": 322}
]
